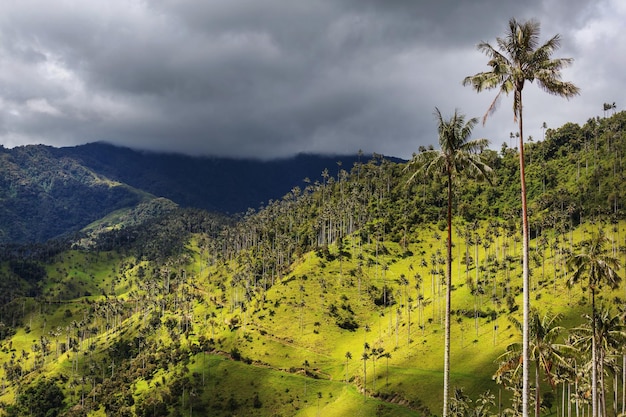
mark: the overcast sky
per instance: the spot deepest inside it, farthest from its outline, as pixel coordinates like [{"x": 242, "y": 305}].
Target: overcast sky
[{"x": 272, "y": 78}]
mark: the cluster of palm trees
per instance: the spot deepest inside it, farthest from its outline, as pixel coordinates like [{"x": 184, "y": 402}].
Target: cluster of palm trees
[
  {"x": 600, "y": 268},
  {"x": 578, "y": 362},
  {"x": 373, "y": 354},
  {"x": 607, "y": 107},
  {"x": 518, "y": 58}
]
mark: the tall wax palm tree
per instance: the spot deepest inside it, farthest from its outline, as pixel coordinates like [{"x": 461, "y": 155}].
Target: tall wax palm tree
[
  {"x": 458, "y": 154},
  {"x": 600, "y": 267},
  {"x": 545, "y": 351},
  {"x": 517, "y": 59}
]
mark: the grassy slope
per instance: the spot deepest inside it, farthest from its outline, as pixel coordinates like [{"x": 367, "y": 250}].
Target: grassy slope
[
  {"x": 417, "y": 357},
  {"x": 293, "y": 326}
]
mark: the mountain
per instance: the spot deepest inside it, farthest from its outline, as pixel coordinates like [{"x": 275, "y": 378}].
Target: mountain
[
  {"x": 224, "y": 185},
  {"x": 46, "y": 192},
  {"x": 43, "y": 194},
  {"x": 328, "y": 301}
]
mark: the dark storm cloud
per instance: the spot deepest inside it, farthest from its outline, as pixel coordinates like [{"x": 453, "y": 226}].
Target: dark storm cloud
[{"x": 272, "y": 78}]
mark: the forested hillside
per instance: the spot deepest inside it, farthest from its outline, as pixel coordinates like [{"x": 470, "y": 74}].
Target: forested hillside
[
  {"x": 327, "y": 301},
  {"x": 43, "y": 196},
  {"x": 224, "y": 185},
  {"x": 48, "y": 192}
]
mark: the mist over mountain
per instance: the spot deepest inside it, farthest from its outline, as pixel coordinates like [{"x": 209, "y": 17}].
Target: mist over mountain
[
  {"x": 225, "y": 185},
  {"x": 46, "y": 192}
]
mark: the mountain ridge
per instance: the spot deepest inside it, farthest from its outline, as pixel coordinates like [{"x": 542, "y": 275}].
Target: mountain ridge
[
  {"x": 47, "y": 192},
  {"x": 267, "y": 179}
]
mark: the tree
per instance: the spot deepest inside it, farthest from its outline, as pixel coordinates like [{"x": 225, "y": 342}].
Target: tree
[
  {"x": 546, "y": 354},
  {"x": 518, "y": 59},
  {"x": 348, "y": 357},
  {"x": 462, "y": 405},
  {"x": 458, "y": 154},
  {"x": 600, "y": 268},
  {"x": 610, "y": 338},
  {"x": 386, "y": 355},
  {"x": 364, "y": 357},
  {"x": 42, "y": 399},
  {"x": 605, "y": 108}
]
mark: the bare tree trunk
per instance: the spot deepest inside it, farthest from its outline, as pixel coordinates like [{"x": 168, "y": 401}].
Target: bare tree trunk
[
  {"x": 569, "y": 403},
  {"x": 602, "y": 394},
  {"x": 615, "y": 388},
  {"x": 594, "y": 362},
  {"x": 576, "y": 390},
  {"x": 537, "y": 391},
  {"x": 562, "y": 398},
  {"x": 446, "y": 361},
  {"x": 525, "y": 273},
  {"x": 624, "y": 384}
]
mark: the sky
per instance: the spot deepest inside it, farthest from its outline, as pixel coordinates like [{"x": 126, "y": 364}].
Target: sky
[{"x": 273, "y": 78}]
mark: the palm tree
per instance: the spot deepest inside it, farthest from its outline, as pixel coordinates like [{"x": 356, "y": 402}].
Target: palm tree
[
  {"x": 364, "y": 357},
  {"x": 546, "y": 354},
  {"x": 600, "y": 268},
  {"x": 605, "y": 108},
  {"x": 348, "y": 357},
  {"x": 518, "y": 59},
  {"x": 457, "y": 154},
  {"x": 462, "y": 405},
  {"x": 386, "y": 355},
  {"x": 610, "y": 337}
]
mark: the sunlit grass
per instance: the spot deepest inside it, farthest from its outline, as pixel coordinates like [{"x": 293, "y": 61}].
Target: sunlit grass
[{"x": 292, "y": 351}]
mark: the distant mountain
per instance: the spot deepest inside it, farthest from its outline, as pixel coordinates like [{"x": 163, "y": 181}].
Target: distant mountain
[
  {"x": 46, "y": 192},
  {"x": 217, "y": 184}
]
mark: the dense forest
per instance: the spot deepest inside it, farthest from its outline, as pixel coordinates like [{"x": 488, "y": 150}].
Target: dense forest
[
  {"x": 47, "y": 193},
  {"x": 330, "y": 300}
]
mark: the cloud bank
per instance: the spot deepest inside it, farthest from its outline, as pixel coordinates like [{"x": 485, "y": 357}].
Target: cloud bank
[{"x": 269, "y": 78}]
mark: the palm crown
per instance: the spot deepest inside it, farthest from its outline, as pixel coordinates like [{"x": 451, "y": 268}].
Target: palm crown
[{"x": 519, "y": 59}]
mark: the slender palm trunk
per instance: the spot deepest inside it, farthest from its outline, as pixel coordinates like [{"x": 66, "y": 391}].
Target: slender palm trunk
[
  {"x": 601, "y": 383},
  {"x": 446, "y": 360},
  {"x": 364, "y": 378},
  {"x": 615, "y": 394},
  {"x": 623, "y": 383},
  {"x": 374, "y": 373},
  {"x": 594, "y": 364},
  {"x": 537, "y": 391},
  {"x": 525, "y": 266}
]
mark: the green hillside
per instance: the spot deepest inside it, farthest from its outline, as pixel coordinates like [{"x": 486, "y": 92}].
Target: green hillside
[
  {"x": 327, "y": 302},
  {"x": 51, "y": 193},
  {"x": 43, "y": 196}
]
